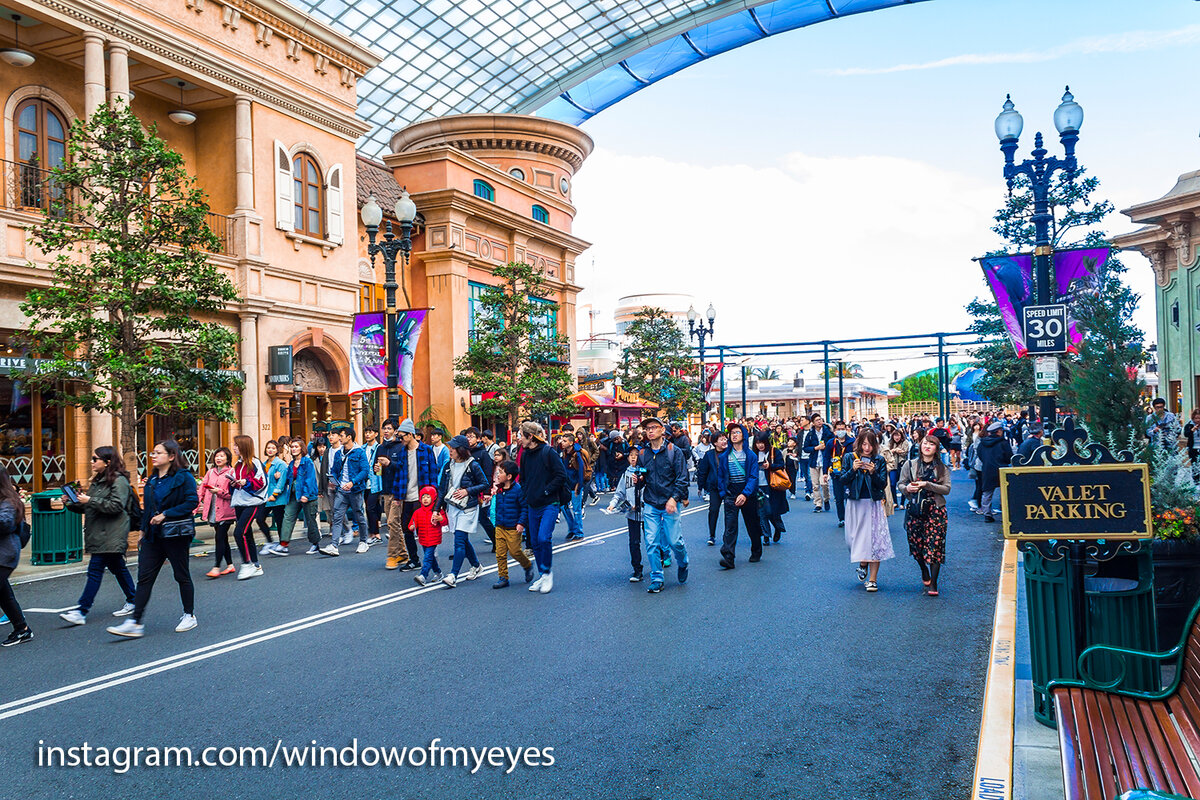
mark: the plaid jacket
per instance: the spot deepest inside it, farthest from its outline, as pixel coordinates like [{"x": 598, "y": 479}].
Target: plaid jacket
[{"x": 426, "y": 470}]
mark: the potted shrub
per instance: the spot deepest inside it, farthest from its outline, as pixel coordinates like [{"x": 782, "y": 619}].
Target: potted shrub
[{"x": 1176, "y": 543}]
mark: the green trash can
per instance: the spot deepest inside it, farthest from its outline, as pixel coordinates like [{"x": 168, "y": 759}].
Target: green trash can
[
  {"x": 1119, "y": 595},
  {"x": 57, "y": 536}
]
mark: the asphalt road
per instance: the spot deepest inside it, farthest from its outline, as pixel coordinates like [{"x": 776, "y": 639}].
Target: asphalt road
[{"x": 781, "y": 679}]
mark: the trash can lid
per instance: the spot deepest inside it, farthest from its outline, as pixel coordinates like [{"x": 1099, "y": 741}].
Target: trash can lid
[
  {"x": 51, "y": 493},
  {"x": 1109, "y": 585}
]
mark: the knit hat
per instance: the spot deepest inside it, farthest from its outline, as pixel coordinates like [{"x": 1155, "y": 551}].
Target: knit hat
[
  {"x": 406, "y": 426},
  {"x": 995, "y": 426}
]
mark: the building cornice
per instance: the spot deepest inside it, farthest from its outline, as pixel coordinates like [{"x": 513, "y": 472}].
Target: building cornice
[
  {"x": 319, "y": 37},
  {"x": 518, "y": 133},
  {"x": 235, "y": 79},
  {"x": 458, "y": 200}
]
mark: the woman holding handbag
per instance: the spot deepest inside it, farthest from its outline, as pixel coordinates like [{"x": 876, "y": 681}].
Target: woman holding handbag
[
  {"x": 249, "y": 483},
  {"x": 214, "y": 508},
  {"x": 773, "y": 485},
  {"x": 459, "y": 486},
  {"x": 926, "y": 481},
  {"x": 167, "y": 531},
  {"x": 864, "y": 476}
]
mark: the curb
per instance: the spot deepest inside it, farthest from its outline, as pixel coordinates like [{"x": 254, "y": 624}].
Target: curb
[{"x": 994, "y": 757}]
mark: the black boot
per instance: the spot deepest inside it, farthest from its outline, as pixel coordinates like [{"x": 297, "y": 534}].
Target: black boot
[
  {"x": 934, "y": 569},
  {"x": 924, "y": 572}
]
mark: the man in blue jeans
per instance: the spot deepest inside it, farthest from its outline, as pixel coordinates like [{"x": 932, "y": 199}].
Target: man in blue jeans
[
  {"x": 544, "y": 483},
  {"x": 664, "y": 489},
  {"x": 573, "y": 460}
]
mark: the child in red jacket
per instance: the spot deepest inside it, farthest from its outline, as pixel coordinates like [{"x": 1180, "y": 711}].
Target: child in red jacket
[{"x": 426, "y": 523}]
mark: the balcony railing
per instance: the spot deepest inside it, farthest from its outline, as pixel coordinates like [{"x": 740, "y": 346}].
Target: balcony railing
[
  {"x": 29, "y": 188},
  {"x": 24, "y": 187},
  {"x": 222, "y": 227}
]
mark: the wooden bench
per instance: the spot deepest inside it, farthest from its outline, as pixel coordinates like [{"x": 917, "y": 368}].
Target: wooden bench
[{"x": 1116, "y": 741}]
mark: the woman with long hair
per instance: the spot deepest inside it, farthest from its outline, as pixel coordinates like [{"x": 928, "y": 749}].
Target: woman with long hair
[
  {"x": 170, "y": 500},
  {"x": 927, "y": 482},
  {"x": 772, "y": 503},
  {"x": 865, "y": 480},
  {"x": 105, "y": 510},
  {"x": 214, "y": 508},
  {"x": 12, "y": 515},
  {"x": 249, "y": 482},
  {"x": 459, "y": 486},
  {"x": 954, "y": 445},
  {"x": 275, "y": 468},
  {"x": 895, "y": 453}
]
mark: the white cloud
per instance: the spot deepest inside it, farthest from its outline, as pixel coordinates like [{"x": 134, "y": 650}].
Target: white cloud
[
  {"x": 815, "y": 248},
  {"x": 1129, "y": 42}
]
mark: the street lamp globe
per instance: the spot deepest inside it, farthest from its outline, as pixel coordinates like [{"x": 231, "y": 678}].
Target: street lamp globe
[
  {"x": 1068, "y": 117},
  {"x": 372, "y": 214},
  {"x": 1009, "y": 123},
  {"x": 711, "y": 314},
  {"x": 691, "y": 314},
  {"x": 406, "y": 209}
]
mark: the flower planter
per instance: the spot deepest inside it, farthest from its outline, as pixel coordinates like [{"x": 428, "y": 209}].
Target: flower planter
[{"x": 1176, "y": 586}]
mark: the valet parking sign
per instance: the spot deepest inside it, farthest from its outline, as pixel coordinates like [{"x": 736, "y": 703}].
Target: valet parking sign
[{"x": 1076, "y": 501}]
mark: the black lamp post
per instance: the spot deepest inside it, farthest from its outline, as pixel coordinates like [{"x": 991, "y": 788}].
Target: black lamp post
[
  {"x": 372, "y": 215},
  {"x": 702, "y": 333},
  {"x": 1068, "y": 117}
]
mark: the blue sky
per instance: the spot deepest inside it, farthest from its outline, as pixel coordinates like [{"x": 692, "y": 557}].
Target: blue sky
[{"x": 858, "y": 154}]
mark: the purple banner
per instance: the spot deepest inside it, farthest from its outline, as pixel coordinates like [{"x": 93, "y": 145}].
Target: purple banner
[
  {"x": 368, "y": 352},
  {"x": 1076, "y": 273},
  {"x": 1011, "y": 279}
]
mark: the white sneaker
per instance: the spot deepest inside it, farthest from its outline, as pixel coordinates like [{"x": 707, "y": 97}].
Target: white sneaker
[
  {"x": 266, "y": 548},
  {"x": 330, "y": 550},
  {"x": 473, "y": 572},
  {"x": 128, "y": 629},
  {"x": 547, "y": 583},
  {"x": 277, "y": 550},
  {"x": 449, "y": 580},
  {"x": 312, "y": 550},
  {"x": 362, "y": 547},
  {"x": 186, "y": 623},
  {"x": 537, "y": 585},
  {"x": 124, "y": 611},
  {"x": 419, "y": 578},
  {"x": 74, "y": 616},
  {"x": 971, "y": 504},
  {"x": 248, "y": 571},
  {"x": 346, "y": 539}
]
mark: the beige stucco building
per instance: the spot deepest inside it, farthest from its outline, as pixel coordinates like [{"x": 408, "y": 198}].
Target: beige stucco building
[{"x": 272, "y": 98}]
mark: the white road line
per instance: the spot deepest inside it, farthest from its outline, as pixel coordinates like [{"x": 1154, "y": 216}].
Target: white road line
[{"x": 112, "y": 679}]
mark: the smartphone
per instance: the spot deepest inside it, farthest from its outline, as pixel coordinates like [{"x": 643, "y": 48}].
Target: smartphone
[{"x": 69, "y": 492}]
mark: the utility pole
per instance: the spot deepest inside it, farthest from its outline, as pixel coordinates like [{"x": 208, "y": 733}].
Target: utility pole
[
  {"x": 826, "y": 374},
  {"x": 841, "y": 390},
  {"x": 721, "y": 357},
  {"x": 743, "y": 392}
]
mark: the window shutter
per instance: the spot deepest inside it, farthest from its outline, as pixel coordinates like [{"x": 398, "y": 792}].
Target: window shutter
[
  {"x": 334, "y": 226},
  {"x": 284, "y": 202}
]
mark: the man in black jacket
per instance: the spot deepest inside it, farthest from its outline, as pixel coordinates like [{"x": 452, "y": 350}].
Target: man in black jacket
[
  {"x": 994, "y": 452},
  {"x": 483, "y": 457},
  {"x": 664, "y": 489},
  {"x": 543, "y": 481}
]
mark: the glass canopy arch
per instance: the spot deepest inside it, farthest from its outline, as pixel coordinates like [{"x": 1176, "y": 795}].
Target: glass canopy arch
[{"x": 563, "y": 59}]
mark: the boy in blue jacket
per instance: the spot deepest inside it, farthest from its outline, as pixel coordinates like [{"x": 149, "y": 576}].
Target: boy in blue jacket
[{"x": 512, "y": 517}]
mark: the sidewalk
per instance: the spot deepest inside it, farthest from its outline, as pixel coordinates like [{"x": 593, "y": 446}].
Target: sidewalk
[{"x": 1037, "y": 767}]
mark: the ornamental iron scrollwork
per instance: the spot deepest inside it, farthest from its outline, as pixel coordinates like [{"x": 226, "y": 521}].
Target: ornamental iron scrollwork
[{"x": 1071, "y": 446}]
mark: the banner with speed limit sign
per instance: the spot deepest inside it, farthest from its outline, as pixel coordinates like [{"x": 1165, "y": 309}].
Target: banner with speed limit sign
[{"x": 1046, "y": 329}]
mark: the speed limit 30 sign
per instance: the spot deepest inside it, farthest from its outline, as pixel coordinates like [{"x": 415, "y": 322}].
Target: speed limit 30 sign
[{"x": 1046, "y": 329}]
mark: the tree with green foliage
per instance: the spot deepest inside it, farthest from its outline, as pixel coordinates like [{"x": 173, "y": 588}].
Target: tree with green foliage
[
  {"x": 132, "y": 292},
  {"x": 918, "y": 388},
  {"x": 844, "y": 370},
  {"x": 765, "y": 373},
  {"x": 515, "y": 352},
  {"x": 1101, "y": 381},
  {"x": 656, "y": 364}
]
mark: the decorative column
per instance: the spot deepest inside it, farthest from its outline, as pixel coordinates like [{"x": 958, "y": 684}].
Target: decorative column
[
  {"x": 118, "y": 72},
  {"x": 249, "y": 421},
  {"x": 243, "y": 154},
  {"x": 93, "y": 72}
]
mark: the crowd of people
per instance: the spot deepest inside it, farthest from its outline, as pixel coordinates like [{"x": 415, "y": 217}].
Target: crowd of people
[{"x": 412, "y": 489}]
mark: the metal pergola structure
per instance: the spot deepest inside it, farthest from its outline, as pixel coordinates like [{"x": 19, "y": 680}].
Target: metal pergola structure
[{"x": 941, "y": 343}]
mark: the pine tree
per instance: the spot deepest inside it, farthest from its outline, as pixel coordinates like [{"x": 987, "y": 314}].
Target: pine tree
[
  {"x": 132, "y": 290},
  {"x": 656, "y": 364}
]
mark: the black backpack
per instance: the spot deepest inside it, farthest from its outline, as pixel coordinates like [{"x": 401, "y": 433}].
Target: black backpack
[
  {"x": 135, "y": 511},
  {"x": 24, "y": 532}
]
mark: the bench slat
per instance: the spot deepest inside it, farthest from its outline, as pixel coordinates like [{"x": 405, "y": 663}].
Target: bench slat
[
  {"x": 1102, "y": 743},
  {"x": 1187, "y": 714},
  {"x": 1068, "y": 743},
  {"x": 1145, "y": 744},
  {"x": 1175, "y": 751},
  {"x": 1137, "y": 762},
  {"x": 1120, "y": 754}
]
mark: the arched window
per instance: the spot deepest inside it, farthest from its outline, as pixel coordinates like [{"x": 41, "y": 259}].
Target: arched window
[
  {"x": 484, "y": 189},
  {"x": 308, "y": 196},
  {"x": 541, "y": 215},
  {"x": 41, "y": 146}
]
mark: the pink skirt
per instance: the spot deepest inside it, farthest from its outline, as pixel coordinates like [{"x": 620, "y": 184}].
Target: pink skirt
[{"x": 867, "y": 533}]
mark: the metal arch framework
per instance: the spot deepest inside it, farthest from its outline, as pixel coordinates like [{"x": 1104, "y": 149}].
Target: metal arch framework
[{"x": 562, "y": 59}]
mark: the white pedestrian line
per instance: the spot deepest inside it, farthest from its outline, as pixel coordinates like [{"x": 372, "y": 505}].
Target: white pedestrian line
[
  {"x": 48, "y": 610},
  {"x": 100, "y": 683}
]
